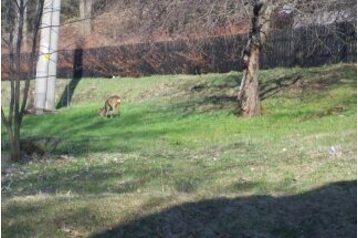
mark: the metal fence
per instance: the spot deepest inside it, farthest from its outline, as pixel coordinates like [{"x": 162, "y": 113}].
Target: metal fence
[{"x": 309, "y": 46}]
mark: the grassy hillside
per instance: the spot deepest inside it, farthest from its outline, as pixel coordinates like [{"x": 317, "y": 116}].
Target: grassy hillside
[{"x": 179, "y": 162}]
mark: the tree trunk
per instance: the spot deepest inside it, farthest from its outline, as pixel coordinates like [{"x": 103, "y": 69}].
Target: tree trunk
[
  {"x": 248, "y": 97},
  {"x": 15, "y": 14},
  {"x": 14, "y": 136},
  {"x": 86, "y": 16},
  {"x": 14, "y": 141},
  {"x": 249, "y": 100}
]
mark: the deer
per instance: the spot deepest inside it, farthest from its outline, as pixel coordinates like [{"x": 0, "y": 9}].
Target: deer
[{"x": 110, "y": 106}]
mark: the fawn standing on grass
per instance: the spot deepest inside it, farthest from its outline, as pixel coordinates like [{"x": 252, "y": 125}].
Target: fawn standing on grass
[{"x": 110, "y": 106}]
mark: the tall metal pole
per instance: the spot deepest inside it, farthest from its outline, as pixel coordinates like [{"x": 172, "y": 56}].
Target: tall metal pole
[
  {"x": 51, "y": 84},
  {"x": 46, "y": 68}
]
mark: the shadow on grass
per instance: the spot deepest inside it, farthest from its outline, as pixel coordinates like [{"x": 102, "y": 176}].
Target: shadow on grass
[
  {"x": 272, "y": 87},
  {"x": 329, "y": 211},
  {"x": 210, "y": 96},
  {"x": 87, "y": 132},
  {"x": 312, "y": 80},
  {"x": 80, "y": 179},
  {"x": 207, "y": 104},
  {"x": 218, "y": 94},
  {"x": 69, "y": 91}
]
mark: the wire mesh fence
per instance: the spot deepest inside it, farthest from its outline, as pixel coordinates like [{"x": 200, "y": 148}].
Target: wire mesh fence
[{"x": 308, "y": 46}]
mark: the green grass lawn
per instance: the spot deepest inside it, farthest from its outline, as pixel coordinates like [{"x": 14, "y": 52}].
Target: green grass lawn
[{"x": 178, "y": 162}]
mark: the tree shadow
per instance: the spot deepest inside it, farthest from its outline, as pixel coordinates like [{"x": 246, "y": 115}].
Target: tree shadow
[
  {"x": 272, "y": 87},
  {"x": 210, "y": 96},
  {"x": 91, "y": 133},
  {"x": 328, "y": 211},
  {"x": 207, "y": 104},
  {"x": 83, "y": 180},
  {"x": 66, "y": 97},
  {"x": 89, "y": 179},
  {"x": 313, "y": 80}
]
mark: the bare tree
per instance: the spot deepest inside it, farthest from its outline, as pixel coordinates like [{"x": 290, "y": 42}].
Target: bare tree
[
  {"x": 15, "y": 17},
  {"x": 85, "y": 8},
  {"x": 268, "y": 14},
  {"x": 248, "y": 96},
  {"x": 155, "y": 20}
]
